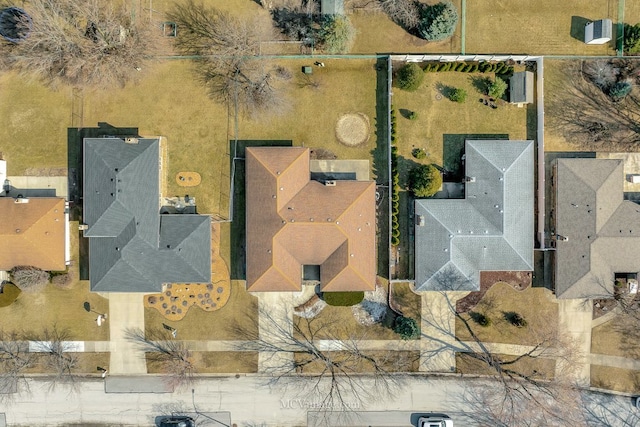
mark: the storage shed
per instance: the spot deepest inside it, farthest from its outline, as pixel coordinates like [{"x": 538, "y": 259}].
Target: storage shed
[
  {"x": 598, "y": 32},
  {"x": 521, "y": 87}
]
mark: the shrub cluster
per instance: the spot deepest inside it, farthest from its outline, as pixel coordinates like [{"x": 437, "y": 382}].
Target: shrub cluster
[
  {"x": 395, "y": 187},
  {"x": 470, "y": 67},
  {"x": 419, "y": 153},
  {"x": 458, "y": 95},
  {"x": 407, "y": 328},
  {"x": 425, "y": 180},
  {"x": 409, "y": 77},
  {"x": 632, "y": 38},
  {"x": 343, "y": 299}
]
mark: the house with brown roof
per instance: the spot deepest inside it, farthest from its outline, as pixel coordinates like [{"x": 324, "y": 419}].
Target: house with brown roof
[
  {"x": 32, "y": 232},
  {"x": 297, "y": 224},
  {"x": 596, "y": 231}
]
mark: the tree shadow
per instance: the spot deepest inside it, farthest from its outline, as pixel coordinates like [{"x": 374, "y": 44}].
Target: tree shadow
[
  {"x": 481, "y": 84},
  {"x": 405, "y": 113},
  {"x": 577, "y": 27},
  {"x": 445, "y": 90}
]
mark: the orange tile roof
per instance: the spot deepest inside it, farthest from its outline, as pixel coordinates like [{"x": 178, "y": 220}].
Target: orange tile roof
[
  {"x": 293, "y": 221},
  {"x": 32, "y": 233}
]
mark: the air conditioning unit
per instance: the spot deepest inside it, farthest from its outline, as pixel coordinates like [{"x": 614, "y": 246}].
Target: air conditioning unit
[
  {"x": 131, "y": 140},
  {"x": 330, "y": 183}
]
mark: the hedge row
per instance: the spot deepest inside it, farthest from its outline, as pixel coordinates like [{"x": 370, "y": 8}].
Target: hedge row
[
  {"x": 395, "y": 188},
  {"x": 470, "y": 67}
]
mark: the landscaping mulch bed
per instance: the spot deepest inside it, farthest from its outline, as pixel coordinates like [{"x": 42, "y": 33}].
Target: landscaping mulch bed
[{"x": 518, "y": 280}]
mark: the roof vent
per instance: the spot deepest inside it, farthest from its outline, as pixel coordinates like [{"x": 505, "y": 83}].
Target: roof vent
[
  {"x": 18, "y": 230},
  {"x": 470, "y": 179},
  {"x": 330, "y": 183},
  {"x": 131, "y": 140}
]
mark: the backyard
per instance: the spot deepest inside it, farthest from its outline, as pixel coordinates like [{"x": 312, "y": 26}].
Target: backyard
[{"x": 440, "y": 128}]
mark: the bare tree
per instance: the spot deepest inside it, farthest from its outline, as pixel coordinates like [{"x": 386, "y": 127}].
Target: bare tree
[
  {"x": 403, "y": 12},
  {"x": 227, "y": 63},
  {"x": 170, "y": 355},
  {"x": 58, "y": 358},
  {"x": 514, "y": 384},
  {"x": 83, "y": 42},
  {"x": 28, "y": 278},
  {"x": 15, "y": 359},
  {"x": 584, "y": 113},
  {"x": 307, "y": 356}
]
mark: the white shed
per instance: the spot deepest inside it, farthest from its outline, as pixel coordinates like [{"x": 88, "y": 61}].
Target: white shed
[
  {"x": 598, "y": 32},
  {"x": 521, "y": 87}
]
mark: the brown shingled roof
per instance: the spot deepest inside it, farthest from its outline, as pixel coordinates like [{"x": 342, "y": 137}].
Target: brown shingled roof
[
  {"x": 293, "y": 221},
  {"x": 32, "y": 233}
]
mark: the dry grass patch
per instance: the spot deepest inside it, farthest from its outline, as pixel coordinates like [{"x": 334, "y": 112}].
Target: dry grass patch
[
  {"x": 390, "y": 361},
  {"x": 558, "y": 26},
  {"x": 225, "y": 362},
  {"x": 86, "y": 363},
  {"x": 407, "y": 301},
  {"x": 535, "y": 305},
  {"x": 539, "y": 368},
  {"x": 617, "y": 379},
  {"x": 202, "y": 325},
  {"x": 617, "y": 337}
]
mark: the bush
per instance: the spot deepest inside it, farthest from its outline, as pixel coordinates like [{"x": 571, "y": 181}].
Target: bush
[
  {"x": 620, "y": 90},
  {"x": 9, "y": 294},
  {"x": 343, "y": 299},
  {"x": 437, "y": 22},
  {"x": 413, "y": 115},
  {"x": 410, "y": 77},
  {"x": 419, "y": 153},
  {"x": 336, "y": 33},
  {"x": 425, "y": 180},
  {"x": 28, "y": 278},
  {"x": 632, "y": 38},
  {"x": 395, "y": 241},
  {"x": 497, "y": 88},
  {"x": 458, "y": 95},
  {"x": 62, "y": 280},
  {"x": 395, "y": 233},
  {"x": 474, "y": 68},
  {"x": 407, "y": 328},
  {"x": 480, "y": 319},
  {"x": 484, "y": 67},
  {"x": 515, "y": 319}
]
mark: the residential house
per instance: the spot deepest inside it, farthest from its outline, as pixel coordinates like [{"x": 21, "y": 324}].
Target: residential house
[
  {"x": 132, "y": 247},
  {"x": 299, "y": 228},
  {"x": 490, "y": 229}
]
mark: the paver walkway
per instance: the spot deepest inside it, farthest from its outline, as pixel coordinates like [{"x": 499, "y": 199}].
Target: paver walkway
[{"x": 125, "y": 311}]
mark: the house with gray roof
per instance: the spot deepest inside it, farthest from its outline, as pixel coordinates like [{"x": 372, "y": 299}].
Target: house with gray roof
[
  {"x": 132, "y": 247},
  {"x": 490, "y": 229},
  {"x": 597, "y": 232}
]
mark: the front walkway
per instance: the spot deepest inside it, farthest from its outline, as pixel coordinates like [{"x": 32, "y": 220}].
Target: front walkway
[{"x": 279, "y": 307}]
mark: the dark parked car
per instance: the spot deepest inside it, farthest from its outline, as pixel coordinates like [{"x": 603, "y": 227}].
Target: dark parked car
[{"x": 177, "y": 421}]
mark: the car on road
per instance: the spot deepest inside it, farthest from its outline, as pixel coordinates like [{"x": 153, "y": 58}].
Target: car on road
[
  {"x": 435, "y": 420},
  {"x": 177, "y": 421}
]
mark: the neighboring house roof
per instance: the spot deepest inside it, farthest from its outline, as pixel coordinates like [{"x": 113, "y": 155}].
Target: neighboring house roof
[
  {"x": 293, "y": 221},
  {"x": 132, "y": 248},
  {"x": 332, "y": 7},
  {"x": 521, "y": 88},
  {"x": 491, "y": 229},
  {"x": 32, "y": 232},
  {"x": 598, "y": 233}
]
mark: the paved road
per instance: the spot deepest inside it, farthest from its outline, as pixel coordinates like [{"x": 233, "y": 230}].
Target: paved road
[{"x": 249, "y": 401}]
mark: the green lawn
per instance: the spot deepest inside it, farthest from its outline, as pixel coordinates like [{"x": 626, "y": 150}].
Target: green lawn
[
  {"x": 217, "y": 325},
  {"x": 540, "y": 27}
]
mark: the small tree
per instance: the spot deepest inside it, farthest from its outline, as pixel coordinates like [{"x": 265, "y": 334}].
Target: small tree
[
  {"x": 410, "y": 77},
  {"x": 632, "y": 38},
  {"x": 620, "y": 90},
  {"x": 403, "y": 12},
  {"x": 425, "y": 180},
  {"x": 28, "y": 278},
  {"x": 437, "y": 22},
  {"x": 419, "y": 153},
  {"x": 515, "y": 319},
  {"x": 407, "y": 328},
  {"x": 497, "y": 88},
  {"x": 458, "y": 95},
  {"x": 337, "y": 34}
]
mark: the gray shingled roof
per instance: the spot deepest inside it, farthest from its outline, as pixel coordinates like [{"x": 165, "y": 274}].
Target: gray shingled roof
[
  {"x": 521, "y": 87},
  {"x": 490, "y": 229},
  {"x": 132, "y": 248},
  {"x": 602, "y": 229}
]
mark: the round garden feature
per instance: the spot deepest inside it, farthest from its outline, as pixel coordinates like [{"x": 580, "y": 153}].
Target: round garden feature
[
  {"x": 15, "y": 24},
  {"x": 352, "y": 129}
]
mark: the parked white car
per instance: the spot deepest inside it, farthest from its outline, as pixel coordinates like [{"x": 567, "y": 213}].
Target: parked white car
[{"x": 435, "y": 420}]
